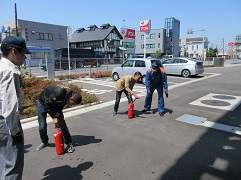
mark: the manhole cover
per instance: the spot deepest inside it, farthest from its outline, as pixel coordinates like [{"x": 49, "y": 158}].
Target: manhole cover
[
  {"x": 224, "y": 97},
  {"x": 215, "y": 103}
]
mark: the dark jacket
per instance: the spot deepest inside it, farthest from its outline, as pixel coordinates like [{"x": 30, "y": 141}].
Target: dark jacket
[
  {"x": 155, "y": 79},
  {"x": 54, "y": 98}
]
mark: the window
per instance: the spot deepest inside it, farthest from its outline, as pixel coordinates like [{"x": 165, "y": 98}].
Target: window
[
  {"x": 180, "y": 61},
  {"x": 159, "y": 35},
  {"x": 142, "y": 36},
  {"x": 148, "y": 46},
  {"x": 152, "y": 36},
  {"x": 40, "y": 36},
  {"x": 159, "y": 45},
  {"x": 128, "y": 64},
  {"x": 192, "y": 47},
  {"x": 140, "y": 63},
  {"x": 197, "y": 47},
  {"x": 169, "y": 61}
]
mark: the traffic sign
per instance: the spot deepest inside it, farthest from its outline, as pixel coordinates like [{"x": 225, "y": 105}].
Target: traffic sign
[
  {"x": 147, "y": 33},
  {"x": 3, "y": 29}
]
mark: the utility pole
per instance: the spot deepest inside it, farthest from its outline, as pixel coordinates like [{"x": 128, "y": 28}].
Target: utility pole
[
  {"x": 123, "y": 42},
  {"x": 223, "y": 47},
  {"x": 16, "y": 20}
]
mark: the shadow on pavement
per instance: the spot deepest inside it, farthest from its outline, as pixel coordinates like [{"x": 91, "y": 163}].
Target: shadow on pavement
[
  {"x": 80, "y": 140},
  {"x": 67, "y": 172},
  {"x": 26, "y": 146},
  {"x": 215, "y": 155}
]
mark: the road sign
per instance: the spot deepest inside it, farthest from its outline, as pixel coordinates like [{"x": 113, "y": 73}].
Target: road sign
[
  {"x": 147, "y": 33},
  {"x": 231, "y": 44},
  {"x": 3, "y": 29}
]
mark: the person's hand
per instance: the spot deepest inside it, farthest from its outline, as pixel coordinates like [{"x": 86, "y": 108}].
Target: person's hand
[
  {"x": 136, "y": 96},
  {"x": 56, "y": 122},
  {"x": 149, "y": 92},
  {"x": 17, "y": 138},
  {"x": 56, "y": 125},
  {"x": 166, "y": 92}
]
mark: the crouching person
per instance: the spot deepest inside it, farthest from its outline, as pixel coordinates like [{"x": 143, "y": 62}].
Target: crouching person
[
  {"x": 126, "y": 84},
  {"x": 52, "y": 101}
]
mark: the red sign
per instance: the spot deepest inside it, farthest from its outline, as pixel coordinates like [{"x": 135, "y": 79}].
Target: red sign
[
  {"x": 145, "y": 25},
  {"x": 128, "y": 33},
  {"x": 231, "y": 44}
]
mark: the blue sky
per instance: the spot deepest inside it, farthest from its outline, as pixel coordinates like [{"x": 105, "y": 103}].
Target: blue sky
[{"x": 220, "y": 19}]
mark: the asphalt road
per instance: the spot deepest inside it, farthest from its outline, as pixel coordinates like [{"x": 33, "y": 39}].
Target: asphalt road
[{"x": 149, "y": 146}]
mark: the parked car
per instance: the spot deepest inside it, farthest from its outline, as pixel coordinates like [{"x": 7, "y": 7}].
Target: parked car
[
  {"x": 183, "y": 66},
  {"x": 130, "y": 66}
]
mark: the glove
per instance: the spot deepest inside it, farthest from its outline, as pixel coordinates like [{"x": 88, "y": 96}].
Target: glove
[
  {"x": 166, "y": 94},
  {"x": 17, "y": 138}
]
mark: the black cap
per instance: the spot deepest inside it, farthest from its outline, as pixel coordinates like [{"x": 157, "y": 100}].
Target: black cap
[{"x": 16, "y": 42}]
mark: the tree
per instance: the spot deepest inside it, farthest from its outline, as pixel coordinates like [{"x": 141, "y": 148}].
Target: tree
[
  {"x": 158, "y": 54},
  {"x": 212, "y": 52}
]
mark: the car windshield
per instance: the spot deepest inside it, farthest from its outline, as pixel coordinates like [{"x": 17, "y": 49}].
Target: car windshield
[{"x": 194, "y": 60}]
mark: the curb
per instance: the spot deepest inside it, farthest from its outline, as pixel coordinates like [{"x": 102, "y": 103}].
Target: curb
[{"x": 35, "y": 118}]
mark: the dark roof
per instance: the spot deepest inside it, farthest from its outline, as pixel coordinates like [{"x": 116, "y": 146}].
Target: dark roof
[{"x": 93, "y": 35}]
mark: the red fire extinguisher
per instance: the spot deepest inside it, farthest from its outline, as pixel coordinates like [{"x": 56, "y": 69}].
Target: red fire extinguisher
[
  {"x": 131, "y": 109},
  {"x": 59, "y": 143}
]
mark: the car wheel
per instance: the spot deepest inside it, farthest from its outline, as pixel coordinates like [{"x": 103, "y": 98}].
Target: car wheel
[
  {"x": 80, "y": 64},
  {"x": 186, "y": 73},
  {"x": 143, "y": 79},
  {"x": 115, "y": 76}
]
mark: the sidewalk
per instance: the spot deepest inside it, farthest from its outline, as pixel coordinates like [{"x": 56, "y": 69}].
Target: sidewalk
[{"x": 227, "y": 62}]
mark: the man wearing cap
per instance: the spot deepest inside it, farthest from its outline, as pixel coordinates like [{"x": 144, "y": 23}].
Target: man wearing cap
[
  {"x": 156, "y": 79},
  {"x": 11, "y": 134}
]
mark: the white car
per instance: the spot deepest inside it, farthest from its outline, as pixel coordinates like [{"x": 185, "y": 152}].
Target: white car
[
  {"x": 183, "y": 66},
  {"x": 130, "y": 66}
]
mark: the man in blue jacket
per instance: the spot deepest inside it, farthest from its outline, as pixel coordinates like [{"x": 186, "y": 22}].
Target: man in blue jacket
[{"x": 156, "y": 79}]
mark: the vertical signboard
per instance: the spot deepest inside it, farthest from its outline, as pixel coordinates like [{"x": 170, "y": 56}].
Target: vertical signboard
[{"x": 145, "y": 25}]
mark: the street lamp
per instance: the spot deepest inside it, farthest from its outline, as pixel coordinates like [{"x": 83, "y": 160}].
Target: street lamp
[
  {"x": 191, "y": 31},
  {"x": 123, "y": 51}
]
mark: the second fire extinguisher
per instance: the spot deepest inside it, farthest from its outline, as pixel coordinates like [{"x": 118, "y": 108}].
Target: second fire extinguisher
[
  {"x": 131, "y": 109},
  {"x": 59, "y": 142}
]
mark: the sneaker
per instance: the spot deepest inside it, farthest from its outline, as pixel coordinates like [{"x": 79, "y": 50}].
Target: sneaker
[
  {"x": 70, "y": 148},
  {"x": 161, "y": 114},
  {"x": 41, "y": 146},
  {"x": 114, "y": 113}
]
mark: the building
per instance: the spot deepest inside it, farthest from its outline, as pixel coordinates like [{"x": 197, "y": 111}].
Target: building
[
  {"x": 172, "y": 27},
  {"x": 41, "y": 38},
  {"x": 237, "y": 47},
  {"x": 193, "y": 47},
  {"x": 105, "y": 39},
  {"x": 155, "y": 40}
]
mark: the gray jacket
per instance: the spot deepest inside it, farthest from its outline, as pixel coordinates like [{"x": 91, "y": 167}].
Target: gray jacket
[{"x": 10, "y": 97}]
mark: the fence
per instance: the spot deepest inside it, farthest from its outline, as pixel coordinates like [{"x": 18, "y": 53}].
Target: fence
[{"x": 77, "y": 66}]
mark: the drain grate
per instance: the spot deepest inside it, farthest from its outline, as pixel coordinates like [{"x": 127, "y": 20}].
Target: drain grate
[
  {"x": 215, "y": 103},
  {"x": 224, "y": 97},
  {"x": 190, "y": 119}
]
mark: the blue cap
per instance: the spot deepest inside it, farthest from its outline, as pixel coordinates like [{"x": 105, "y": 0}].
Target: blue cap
[
  {"x": 154, "y": 65},
  {"x": 16, "y": 42}
]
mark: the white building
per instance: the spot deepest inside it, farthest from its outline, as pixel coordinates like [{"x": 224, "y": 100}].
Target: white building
[
  {"x": 155, "y": 40},
  {"x": 41, "y": 38},
  {"x": 193, "y": 47}
]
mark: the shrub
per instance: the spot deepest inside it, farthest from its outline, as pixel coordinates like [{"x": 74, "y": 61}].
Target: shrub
[
  {"x": 32, "y": 87},
  {"x": 100, "y": 74},
  {"x": 71, "y": 76}
]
